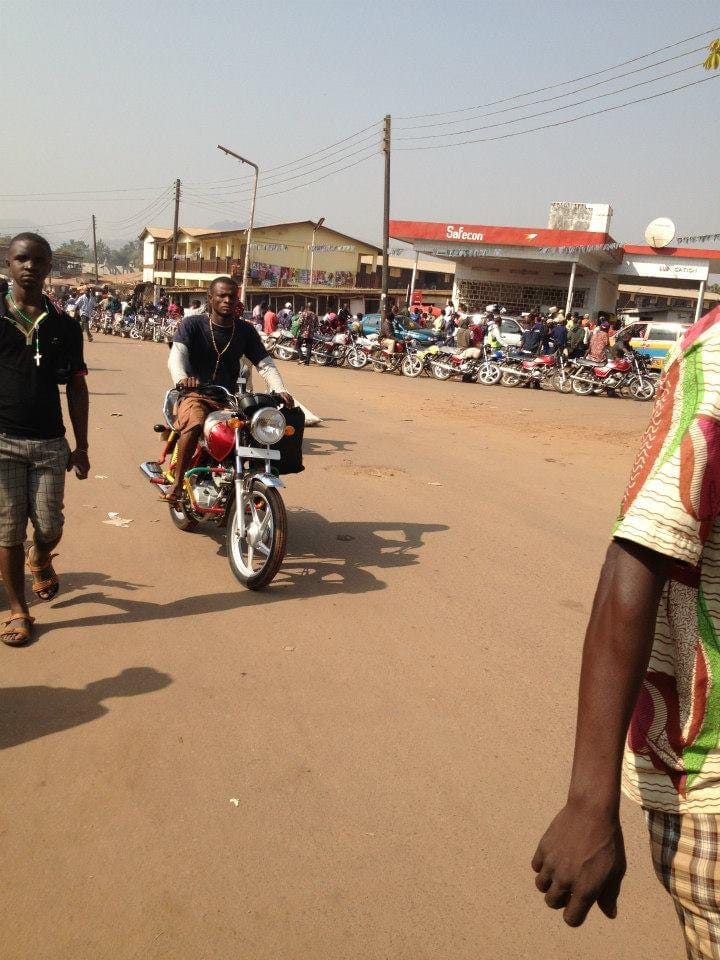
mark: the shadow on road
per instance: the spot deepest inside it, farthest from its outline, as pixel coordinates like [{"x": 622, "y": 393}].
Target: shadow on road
[
  {"x": 324, "y": 558},
  {"x": 27, "y": 713}
]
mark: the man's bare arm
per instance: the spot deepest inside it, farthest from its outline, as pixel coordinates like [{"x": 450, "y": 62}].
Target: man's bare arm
[
  {"x": 78, "y": 402},
  {"x": 581, "y": 858}
]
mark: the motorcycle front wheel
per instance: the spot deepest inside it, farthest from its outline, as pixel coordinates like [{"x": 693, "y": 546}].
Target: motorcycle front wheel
[
  {"x": 440, "y": 372},
  {"x": 583, "y": 388},
  {"x": 489, "y": 374},
  {"x": 356, "y": 359},
  {"x": 255, "y": 556},
  {"x": 286, "y": 353},
  {"x": 562, "y": 383},
  {"x": 412, "y": 366},
  {"x": 640, "y": 388}
]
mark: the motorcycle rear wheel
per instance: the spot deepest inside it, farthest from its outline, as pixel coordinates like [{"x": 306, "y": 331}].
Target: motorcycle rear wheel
[
  {"x": 256, "y": 564},
  {"x": 181, "y": 518},
  {"x": 286, "y": 353},
  {"x": 510, "y": 379},
  {"x": 321, "y": 358}
]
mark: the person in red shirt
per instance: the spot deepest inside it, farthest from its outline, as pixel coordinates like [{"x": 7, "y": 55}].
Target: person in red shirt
[{"x": 270, "y": 321}]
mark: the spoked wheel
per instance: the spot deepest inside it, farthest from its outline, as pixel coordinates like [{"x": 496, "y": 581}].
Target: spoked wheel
[
  {"x": 256, "y": 552},
  {"x": 321, "y": 358},
  {"x": 583, "y": 388},
  {"x": 489, "y": 374},
  {"x": 286, "y": 353},
  {"x": 640, "y": 388},
  {"x": 412, "y": 366},
  {"x": 510, "y": 379},
  {"x": 135, "y": 334},
  {"x": 379, "y": 364}
]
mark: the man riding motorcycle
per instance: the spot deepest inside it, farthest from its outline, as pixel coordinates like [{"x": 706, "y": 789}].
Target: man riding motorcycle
[{"x": 207, "y": 349}]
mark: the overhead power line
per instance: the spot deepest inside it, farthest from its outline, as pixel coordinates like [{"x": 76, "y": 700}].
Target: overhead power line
[
  {"x": 561, "y": 123},
  {"x": 277, "y": 181},
  {"x": 563, "y": 83},
  {"x": 544, "y": 113},
  {"x": 292, "y": 163},
  {"x": 559, "y": 96}
]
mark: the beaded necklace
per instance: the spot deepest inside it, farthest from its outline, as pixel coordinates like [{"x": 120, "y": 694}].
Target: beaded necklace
[{"x": 33, "y": 326}]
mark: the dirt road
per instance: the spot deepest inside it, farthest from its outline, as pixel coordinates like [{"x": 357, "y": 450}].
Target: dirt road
[{"x": 356, "y": 764}]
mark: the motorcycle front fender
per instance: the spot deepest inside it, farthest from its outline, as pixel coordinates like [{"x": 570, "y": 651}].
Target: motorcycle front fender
[{"x": 268, "y": 480}]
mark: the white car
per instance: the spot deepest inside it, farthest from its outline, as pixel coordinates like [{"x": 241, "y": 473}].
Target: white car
[{"x": 510, "y": 327}]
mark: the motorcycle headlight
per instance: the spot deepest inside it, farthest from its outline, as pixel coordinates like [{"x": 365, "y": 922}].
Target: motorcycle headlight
[{"x": 267, "y": 425}]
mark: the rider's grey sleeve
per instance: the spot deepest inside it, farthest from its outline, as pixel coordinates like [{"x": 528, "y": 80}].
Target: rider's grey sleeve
[
  {"x": 179, "y": 362},
  {"x": 271, "y": 375}
]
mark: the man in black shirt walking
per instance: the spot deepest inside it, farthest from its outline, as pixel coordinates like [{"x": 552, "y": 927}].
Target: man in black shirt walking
[
  {"x": 207, "y": 349},
  {"x": 40, "y": 347}
]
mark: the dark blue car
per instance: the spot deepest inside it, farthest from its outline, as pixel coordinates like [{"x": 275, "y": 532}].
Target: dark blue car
[{"x": 371, "y": 324}]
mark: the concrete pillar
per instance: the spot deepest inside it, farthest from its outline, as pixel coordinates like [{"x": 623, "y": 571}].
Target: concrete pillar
[
  {"x": 571, "y": 290},
  {"x": 699, "y": 304}
]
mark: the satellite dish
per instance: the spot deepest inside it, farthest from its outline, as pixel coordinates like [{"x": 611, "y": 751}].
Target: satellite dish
[{"x": 660, "y": 233}]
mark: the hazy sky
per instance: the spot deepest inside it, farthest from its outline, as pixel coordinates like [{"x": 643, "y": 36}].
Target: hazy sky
[{"x": 126, "y": 96}]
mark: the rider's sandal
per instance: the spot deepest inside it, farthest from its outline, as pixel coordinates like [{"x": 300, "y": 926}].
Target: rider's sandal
[
  {"x": 44, "y": 587},
  {"x": 17, "y": 636}
]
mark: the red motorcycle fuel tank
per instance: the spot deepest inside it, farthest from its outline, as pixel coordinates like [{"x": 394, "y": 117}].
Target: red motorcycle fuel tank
[{"x": 219, "y": 435}]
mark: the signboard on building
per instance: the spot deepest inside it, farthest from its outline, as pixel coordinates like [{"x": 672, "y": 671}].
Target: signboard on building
[
  {"x": 591, "y": 217},
  {"x": 417, "y": 297},
  {"x": 665, "y": 268}
]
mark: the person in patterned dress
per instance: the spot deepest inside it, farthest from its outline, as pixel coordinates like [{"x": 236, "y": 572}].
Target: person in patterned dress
[{"x": 649, "y": 706}]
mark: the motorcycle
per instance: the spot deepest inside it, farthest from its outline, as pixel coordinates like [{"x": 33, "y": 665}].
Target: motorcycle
[
  {"x": 233, "y": 480},
  {"x": 624, "y": 374},
  {"x": 526, "y": 369},
  {"x": 360, "y": 351},
  {"x": 489, "y": 372},
  {"x": 447, "y": 363}
]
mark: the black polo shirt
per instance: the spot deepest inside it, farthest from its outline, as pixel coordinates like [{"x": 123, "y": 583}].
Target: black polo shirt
[
  {"x": 232, "y": 343},
  {"x": 29, "y": 395}
]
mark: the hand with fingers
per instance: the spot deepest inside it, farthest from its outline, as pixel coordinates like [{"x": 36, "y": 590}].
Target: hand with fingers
[{"x": 581, "y": 861}]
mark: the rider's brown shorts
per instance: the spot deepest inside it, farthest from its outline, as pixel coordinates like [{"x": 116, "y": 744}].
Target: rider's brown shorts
[{"x": 192, "y": 410}]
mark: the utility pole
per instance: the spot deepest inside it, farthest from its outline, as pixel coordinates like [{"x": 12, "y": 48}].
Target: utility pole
[
  {"x": 384, "y": 300},
  {"x": 246, "y": 266},
  {"x": 175, "y": 233},
  {"x": 97, "y": 274}
]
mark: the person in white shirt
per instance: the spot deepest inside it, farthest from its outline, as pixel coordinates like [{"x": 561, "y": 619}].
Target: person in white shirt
[
  {"x": 84, "y": 309},
  {"x": 194, "y": 310}
]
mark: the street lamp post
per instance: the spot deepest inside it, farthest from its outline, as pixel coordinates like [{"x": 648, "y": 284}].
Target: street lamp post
[
  {"x": 316, "y": 227},
  {"x": 246, "y": 265}
]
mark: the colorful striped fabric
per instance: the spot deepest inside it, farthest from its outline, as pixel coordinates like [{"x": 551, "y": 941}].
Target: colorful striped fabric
[{"x": 672, "y": 760}]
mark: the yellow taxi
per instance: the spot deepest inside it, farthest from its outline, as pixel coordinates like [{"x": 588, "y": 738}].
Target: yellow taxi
[{"x": 655, "y": 338}]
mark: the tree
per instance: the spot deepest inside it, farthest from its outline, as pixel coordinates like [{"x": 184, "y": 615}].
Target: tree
[
  {"x": 713, "y": 58},
  {"x": 74, "y": 250}
]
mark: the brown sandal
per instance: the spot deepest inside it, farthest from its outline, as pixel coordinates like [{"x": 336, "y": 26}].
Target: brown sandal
[
  {"x": 22, "y": 635},
  {"x": 45, "y": 588}
]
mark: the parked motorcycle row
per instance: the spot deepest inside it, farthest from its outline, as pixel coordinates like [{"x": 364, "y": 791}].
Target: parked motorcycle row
[
  {"x": 628, "y": 375},
  {"x": 135, "y": 326}
]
